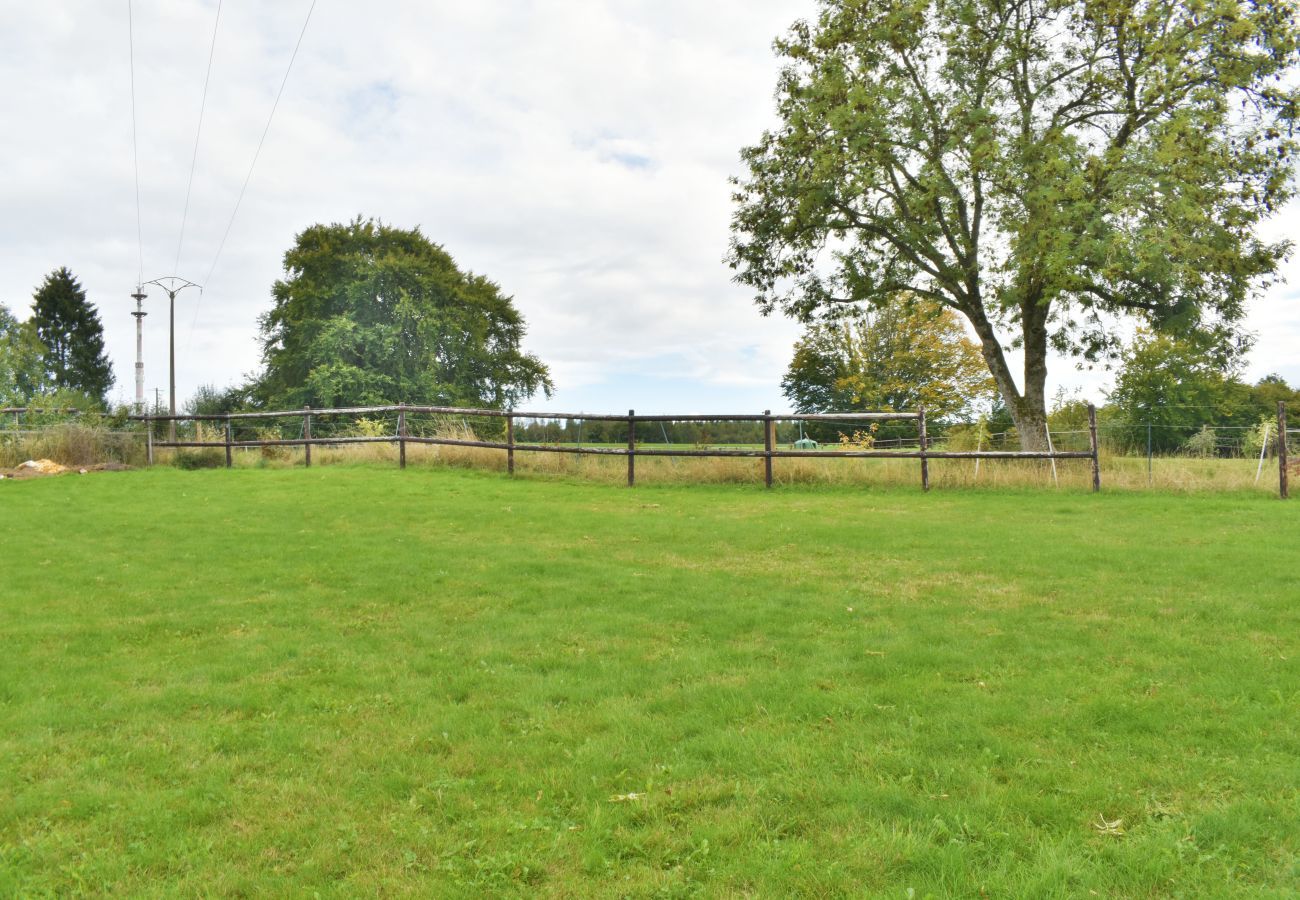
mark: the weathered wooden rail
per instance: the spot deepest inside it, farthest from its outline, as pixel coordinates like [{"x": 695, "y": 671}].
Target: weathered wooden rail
[{"x": 768, "y": 454}]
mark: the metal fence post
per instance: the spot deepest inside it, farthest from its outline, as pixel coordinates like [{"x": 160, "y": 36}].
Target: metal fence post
[
  {"x": 631, "y": 448},
  {"x": 925, "y": 445},
  {"x": 401, "y": 436},
  {"x": 306, "y": 436},
  {"x": 1283, "y": 490},
  {"x": 229, "y": 460},
  {"x": 1096, "y": 458},
  {"x": 767, "y": 446},
  {"x": 148, "y": 439},
  {"x": 510, "y": 443}
]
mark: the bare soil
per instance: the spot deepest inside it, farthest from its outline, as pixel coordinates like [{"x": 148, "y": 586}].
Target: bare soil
[{"x": 45, "y": 468}]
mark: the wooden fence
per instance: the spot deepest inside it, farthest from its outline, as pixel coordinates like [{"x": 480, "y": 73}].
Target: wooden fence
[
  {"x": 401, "y": 437},
  {"x": 770, "y": 452}
]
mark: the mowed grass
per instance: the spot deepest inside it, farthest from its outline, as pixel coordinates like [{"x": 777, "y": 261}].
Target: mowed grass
[{"x": 360, "y": 681}]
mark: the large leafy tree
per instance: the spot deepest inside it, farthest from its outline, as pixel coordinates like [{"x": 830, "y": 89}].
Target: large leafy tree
[
  {"x": 906, "y": 354},
  {"x": 1167, "y": 388},
  {"x": 1041, "y": 167},
  {"x": 22, "y": 360},
  {"x": 68, "y": 326},
  {"x": 371, "y": 314}
]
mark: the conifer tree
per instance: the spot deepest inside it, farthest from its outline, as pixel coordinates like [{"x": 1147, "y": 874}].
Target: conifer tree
[{"x": 68, "y": 325}]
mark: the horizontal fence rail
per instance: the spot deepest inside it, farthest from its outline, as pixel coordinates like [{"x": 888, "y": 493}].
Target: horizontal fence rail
[
  {"x": 1267, "y": 439},
  {"x": 769, "y": 452}
]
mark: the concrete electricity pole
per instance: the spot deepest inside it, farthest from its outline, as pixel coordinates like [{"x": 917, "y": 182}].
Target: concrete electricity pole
[
  {"x": 173, "y": 287},
  {"x": 139, "y": 314}
]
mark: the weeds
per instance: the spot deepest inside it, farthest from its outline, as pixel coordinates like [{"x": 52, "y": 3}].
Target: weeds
[
  {"x": 85, "y": 443},
  {"x": 73, "y": 444}
]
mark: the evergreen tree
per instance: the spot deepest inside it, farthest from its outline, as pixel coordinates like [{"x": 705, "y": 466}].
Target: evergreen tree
[{"x": 68, "y": 326}]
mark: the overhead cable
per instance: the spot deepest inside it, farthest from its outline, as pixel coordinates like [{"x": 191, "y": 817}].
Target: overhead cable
[
  {"x": 258, "y": 152},
  {"x": 194, "y": 158},
  {"x": 135, "y": 147}
]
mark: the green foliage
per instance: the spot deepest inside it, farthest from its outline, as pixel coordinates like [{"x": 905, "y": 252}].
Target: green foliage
[
  {"x": 1204, "y": 443},
  {"x": 906, "y": 354},
  {"x": 1175, "y": 386},
  {"x": 21, "y": 360},
  {"x": 68, "y": 405},
  {"x": 1263, "y": 435},
  {"x": 368, "y": 314},
  {"x": 199, "y": 459},
  {"x": 365, "y": 682},
  {"x": 372, "y": 428},
  {"x": 209, "y": 400},
  {"x": 68, "y": 326},
  {"x": 1039, "y": 167},
  {"x": 1068, "y": 413},
  {"x": 1271, "y": 390}
]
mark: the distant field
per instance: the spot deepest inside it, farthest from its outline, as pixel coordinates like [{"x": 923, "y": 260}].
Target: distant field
[{"x": 351, "y": 680}]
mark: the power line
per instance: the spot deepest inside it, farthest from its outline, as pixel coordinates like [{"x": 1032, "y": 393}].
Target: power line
[
  {"x": 135, "y": 147},
  {"x": 203, "y": 103},
  {"x": 258, "y": 152}
]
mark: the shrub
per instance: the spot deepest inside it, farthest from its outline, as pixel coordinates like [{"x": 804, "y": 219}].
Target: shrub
[
  {"x": 372, "y": 428},
  {"x": 199, "y": 459},
  {"x": 1203, "y": 444},
  {"x": 274, "y": 451}
]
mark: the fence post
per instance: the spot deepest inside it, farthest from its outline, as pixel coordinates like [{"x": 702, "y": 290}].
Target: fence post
[
  {"x": 401, "y": 436},
  {"x": 229, "y": 461},
  {"x": 510, "y": 443},
  {"x": 1281, "y": 450},
  {"x": 925, "y": 445},
  {"x": 306, "y": 436},
  {"x": 148, "y": 439},
  {"x": 1150, "y": 474},
  {"x": 1096, "y": 458},
  {"x": 631, "y": 448},
  {"x": 767, "y": 446}
]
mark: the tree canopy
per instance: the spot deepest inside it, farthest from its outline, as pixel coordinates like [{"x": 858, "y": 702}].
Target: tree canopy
[
  {"x": 906, "y": 354},
  {"x": 68, "y": 327},
  {"x": 22, "y": 360},
  {"x": 1041, "y": 167},
  {"x": 1169, "y": 388},
  {"x": 372, "y": 314}
]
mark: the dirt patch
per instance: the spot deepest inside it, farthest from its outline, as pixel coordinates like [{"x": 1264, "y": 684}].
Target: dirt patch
[{"x": 45, "y": 468}]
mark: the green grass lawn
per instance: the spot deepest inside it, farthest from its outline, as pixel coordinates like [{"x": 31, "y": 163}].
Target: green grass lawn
[{"x": 361, "y": 681}]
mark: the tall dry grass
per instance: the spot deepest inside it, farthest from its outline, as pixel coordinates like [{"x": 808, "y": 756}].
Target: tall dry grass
[
  {"x": 1169, "y": 474},
  {"x": 73, "y": 444}
]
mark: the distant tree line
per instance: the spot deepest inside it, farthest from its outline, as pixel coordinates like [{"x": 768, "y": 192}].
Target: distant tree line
[{"x": 600, "y": 431}]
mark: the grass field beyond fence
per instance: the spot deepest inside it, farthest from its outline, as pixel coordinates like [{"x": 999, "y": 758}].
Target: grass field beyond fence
[{"x": 352, "y": 680}]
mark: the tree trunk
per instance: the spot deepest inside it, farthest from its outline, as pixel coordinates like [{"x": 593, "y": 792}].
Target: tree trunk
[
  {"x": 1032, "y": 419},
  {"x": 1028, "y": 409},
  {"x": 1031, "y": 423}
]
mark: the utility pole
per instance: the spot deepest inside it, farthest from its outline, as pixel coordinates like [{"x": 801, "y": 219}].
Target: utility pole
[
  {"x": 139, "y": 314},
  {"x": 173, "y": 287}
]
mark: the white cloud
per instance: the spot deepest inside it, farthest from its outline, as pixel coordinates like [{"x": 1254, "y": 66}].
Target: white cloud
[{"x": 576, "y": 153}]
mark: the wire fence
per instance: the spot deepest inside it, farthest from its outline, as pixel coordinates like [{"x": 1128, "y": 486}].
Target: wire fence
[
  {"x": 1186, "y": 454},
  {"x": 730, "y": 436}
]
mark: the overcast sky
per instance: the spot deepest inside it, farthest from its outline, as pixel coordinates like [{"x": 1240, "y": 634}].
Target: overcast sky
[{"x": 575, "y": 152}]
